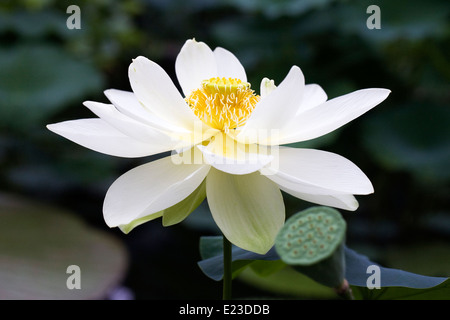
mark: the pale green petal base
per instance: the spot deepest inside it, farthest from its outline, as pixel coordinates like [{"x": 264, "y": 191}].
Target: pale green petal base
[
  {"x": 248, "y": 209},
  {"x": 173, "y": 215},
  {"x": 181, "y": 210},
  {"x": 126, "y": 228}
]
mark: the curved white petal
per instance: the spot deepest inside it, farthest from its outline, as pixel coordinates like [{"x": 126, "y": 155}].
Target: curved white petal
[
  {"x": 127, "y": 103},
  {"x": 230, "y": 156},
  {"x": 150, "y": 188},
  {"x": 99, "y": 136},
  {"x": 275, "y": 110},
  {"x": 318, "y": 172},
  {"x": 135, "y": 129},
  {"x": 313, "y": 95},
  {"x": 336, "y": 200},
  {"x": 249, "y": 209},
  {"x": 332, "y": 114},
  {"x": 195, "y": 62},
  {"x": 155, "y": 91},
  {"x": 228, "y": 65}
]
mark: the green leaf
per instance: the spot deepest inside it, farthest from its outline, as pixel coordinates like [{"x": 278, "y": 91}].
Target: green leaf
[
  {"x": 439, "y": 292},
  {"x": 37, "y": 245},
  {"x": 265, "y": 268},
  {"x": 210, "y": 246},
  {"x": 287, "y": 282},
  {"x": 356, "y": 274},
  {"x": 39, "y": 80},
  {"x": 422, "y": 257}
]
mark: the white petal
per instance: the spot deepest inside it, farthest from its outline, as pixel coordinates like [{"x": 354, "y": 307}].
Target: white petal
[
  {"x": 275, "y": 110},
  {"x": 134, "y": 129},
  {"x": 150, "y": 188},
  {"x": 228, "y": 155},
  {"x": 248, "y": 209},
  {"x": 313, "y": 95},
  {"x": 127, "y": 103},
  {"x": 336, "y": 200},
  {"x": 99, "y": 136},
  {"x": 334, "y": 113},
  {"x": 228, "y": 65},
  {"x": 194, "y": 63},
  {"x": 320, "y": 171},
  {"x": 155, "y": 90}
]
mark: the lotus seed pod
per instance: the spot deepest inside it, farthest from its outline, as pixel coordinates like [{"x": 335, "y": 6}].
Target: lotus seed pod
[{"x": 312, "y": 241}]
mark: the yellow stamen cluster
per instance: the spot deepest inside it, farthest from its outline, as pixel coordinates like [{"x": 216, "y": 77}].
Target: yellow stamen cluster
[{"x": 223, "y": 103}]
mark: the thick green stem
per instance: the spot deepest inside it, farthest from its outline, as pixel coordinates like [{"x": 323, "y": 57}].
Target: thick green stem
[{"x": 227, "y": 274}]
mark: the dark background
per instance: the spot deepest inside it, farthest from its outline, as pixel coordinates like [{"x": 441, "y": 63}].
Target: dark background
[{"x": 403, "y": 145}]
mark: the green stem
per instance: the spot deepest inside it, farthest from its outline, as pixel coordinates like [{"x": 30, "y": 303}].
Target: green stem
[{"x": 226, "y": 269}]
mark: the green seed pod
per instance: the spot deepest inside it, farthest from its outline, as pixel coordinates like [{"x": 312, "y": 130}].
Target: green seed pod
[{"x": 312, "y": 241}]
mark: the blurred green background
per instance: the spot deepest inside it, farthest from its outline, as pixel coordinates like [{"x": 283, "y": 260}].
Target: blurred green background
[{"x": 52, "y": 189}]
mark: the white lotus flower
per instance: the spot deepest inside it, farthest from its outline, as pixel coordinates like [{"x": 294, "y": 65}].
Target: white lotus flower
[{"x": 226, "y": 140}]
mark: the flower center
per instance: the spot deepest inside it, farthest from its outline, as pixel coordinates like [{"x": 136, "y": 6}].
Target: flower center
[{"x": 223, "y": 103}]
